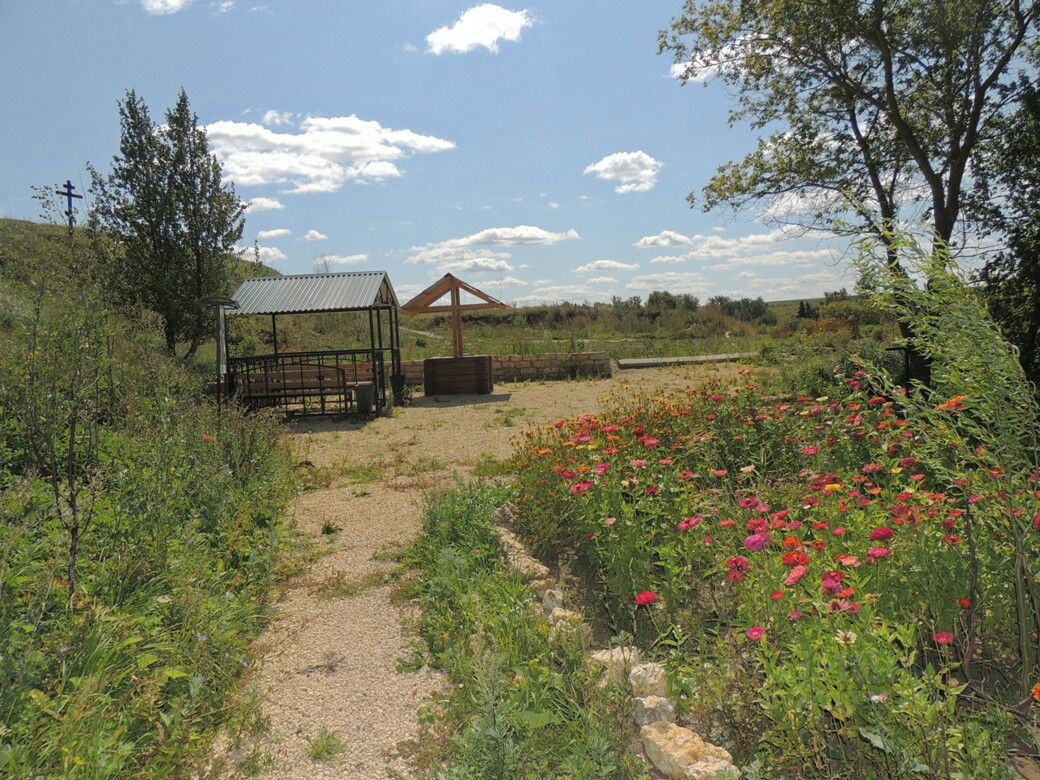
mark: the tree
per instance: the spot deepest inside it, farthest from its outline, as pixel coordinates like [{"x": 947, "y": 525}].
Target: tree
[
  {"x": 1007, "y": 204},
  {"x": 872, "y": 105},
  {"x": 176, "y": 222}
]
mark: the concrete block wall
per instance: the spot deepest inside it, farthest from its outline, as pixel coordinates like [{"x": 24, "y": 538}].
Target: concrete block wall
[{"x": 520, "y": 368}]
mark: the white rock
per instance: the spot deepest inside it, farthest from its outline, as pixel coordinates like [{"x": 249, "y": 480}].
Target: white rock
[
  {"x": 712, "y": 769},
  {"x": 560, "y": 615},
  {"x": 618, "y": 662},
  {"x": 652, "y": 709},
  {"x": 552, "y": 599},
  {"x": 648, "y": 680},
  {"x": 541, "y": 585},
  {"x": 678, "y": 752},
  {"x": 501, "y": 516}
]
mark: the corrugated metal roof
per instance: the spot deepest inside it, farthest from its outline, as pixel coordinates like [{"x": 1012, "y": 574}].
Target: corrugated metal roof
[{"x": 314, "y": 293}]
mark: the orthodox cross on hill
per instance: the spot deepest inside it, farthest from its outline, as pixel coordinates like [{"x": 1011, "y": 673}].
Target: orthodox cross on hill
[{"x": 67, "y": 191}]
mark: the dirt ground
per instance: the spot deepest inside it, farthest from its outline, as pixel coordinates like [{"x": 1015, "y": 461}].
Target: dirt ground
[{"x": 335, "y": 653}]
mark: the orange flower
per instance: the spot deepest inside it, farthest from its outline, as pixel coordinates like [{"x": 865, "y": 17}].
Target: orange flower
[
  {"x": 1036, "y": 692},
  {"x": 955, "y": 404}
]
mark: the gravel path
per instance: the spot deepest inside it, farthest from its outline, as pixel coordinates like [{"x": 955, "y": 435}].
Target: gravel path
[{"x": 330, "y": 656}]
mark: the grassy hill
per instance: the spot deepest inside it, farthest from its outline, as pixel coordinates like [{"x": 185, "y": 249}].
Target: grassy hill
[{"x": 140, "y": 532}]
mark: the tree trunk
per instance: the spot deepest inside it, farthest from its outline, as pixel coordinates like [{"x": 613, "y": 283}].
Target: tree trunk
[
  {"x": 171, "y": 338},
  {"x": 73, "y": 555}
]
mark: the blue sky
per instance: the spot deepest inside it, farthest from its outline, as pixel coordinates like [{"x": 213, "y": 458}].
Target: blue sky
[{"x": 542, "y": 152}]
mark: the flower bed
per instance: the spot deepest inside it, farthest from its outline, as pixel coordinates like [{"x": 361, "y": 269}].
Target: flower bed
[{"x": 839, "y": 585}]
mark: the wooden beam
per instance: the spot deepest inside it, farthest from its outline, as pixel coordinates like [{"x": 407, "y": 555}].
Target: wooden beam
[
  {"x": 460, "y": 307},
  {"x": 456, "y": 322}
]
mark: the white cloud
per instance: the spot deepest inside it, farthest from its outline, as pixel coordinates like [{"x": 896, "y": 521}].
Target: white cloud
[
  {"x": 267, "y": 254},
  {"x": 264, "y": 235},
  {"x": 274, "y": 118},
  {"x": 603, "y": 280},
  {"x": 481, "y": 26},
  {"x": 263, "y": 204},
  {"x": 314, "y": 235},
  {"x": 663, "y": 239},
  {"x": 505, "y": 281},
  {"x": 778, "y": 259},
  {"x": 553, "y": 204},
  {"x": 477, "y": 264},
  {"x": 325, "y": 153},
  {"x": 635, "y": 171},
  {"x": 224, "y": 6},
  {"x": 411, "y": 48},
  {"x": 673, "y": 281},
  {"x": 728, "y": 58},
  {"x": 669, "y": 260},
  {"x": 466, "y": 248},
  {"x": 343, "y": 259},
  {"x": 564, "y": 292},
  {"x": 157, "y": 7},
  {"x": 606, "y": 265}
]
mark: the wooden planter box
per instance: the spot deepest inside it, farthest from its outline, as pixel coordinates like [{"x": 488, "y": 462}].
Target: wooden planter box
[{"x": 458, "y": 376}]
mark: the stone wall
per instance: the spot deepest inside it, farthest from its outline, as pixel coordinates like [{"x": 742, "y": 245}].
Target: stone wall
[{"x": 519, "y": 368}]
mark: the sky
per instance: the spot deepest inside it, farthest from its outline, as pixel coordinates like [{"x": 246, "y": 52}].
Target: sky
[{"x": 541, "y": 152}]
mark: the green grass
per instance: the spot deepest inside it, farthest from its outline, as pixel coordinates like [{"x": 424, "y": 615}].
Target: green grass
[
  {"x": 518, "y": 707},
  {"x": 325, "y": 745}
]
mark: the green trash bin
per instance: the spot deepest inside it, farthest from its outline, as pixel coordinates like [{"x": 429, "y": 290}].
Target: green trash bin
[{"x": 366, "y": 398}]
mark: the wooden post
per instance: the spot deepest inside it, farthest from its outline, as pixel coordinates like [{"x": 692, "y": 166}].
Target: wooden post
[
  {"x": 274, "y": 333},
  {"x": 456, "y": 321}
]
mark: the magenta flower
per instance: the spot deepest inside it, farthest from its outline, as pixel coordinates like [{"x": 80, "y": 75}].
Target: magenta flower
[{"x": 755, "y": 633}]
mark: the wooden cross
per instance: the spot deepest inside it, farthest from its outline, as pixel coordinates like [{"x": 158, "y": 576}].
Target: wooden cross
[
  {"x": 69, "y": 195},
  {"x": 425, "y": 303}
]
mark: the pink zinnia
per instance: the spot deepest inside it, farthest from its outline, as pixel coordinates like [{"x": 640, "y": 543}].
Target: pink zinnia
[
  {"x": 797, "y": 575},
  {"x": 755, "y": 633},
  {"x": 720, "y": 473},
  {"x": 756, "y": 542},
  {"x": 881, "y": 534},
  {"x": 879, "y": 552},
  {"x": 646, "y": 598},
  {"x": 650, "y": 442},
  {"x": 639, "y": 463},
  {"x": 601, "y": 469},
  {"x": 944, "y": 638},
  {"x": 810, "y": 450},
  {"x": 581, "y": 487}
]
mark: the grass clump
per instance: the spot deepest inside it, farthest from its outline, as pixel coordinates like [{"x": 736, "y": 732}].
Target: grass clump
[
  {"x": 518, "y": 707},
  {"x": 325, "y": 745}
]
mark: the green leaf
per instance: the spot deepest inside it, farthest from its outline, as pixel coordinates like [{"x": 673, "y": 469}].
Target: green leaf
[
  {"x": 145, "y": 660},
  {"x": 534, "y": 720},
  {"x": 874, "y": 739}
]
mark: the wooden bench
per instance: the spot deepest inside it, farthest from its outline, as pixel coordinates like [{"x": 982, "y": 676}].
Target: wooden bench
[{"x": 290, "y": 383}]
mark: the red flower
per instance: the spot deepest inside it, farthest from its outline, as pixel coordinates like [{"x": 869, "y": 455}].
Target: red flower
[
  {"x": 879, "y": 552},
  {"x": 776, "y": 595},
  {"x": 872, "y": 468},
  {"x": 810, "y": 451},
  {"x": 952, "y": 539},
  {"x": 944, "y": 638},
  {"x": 650, "y": 442},
  {"x": 881, "y": 534},
  {"x": 755, "y": 633},
  {"x": 965, "y": 602},
  {"x": 646, "y": 598}
]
